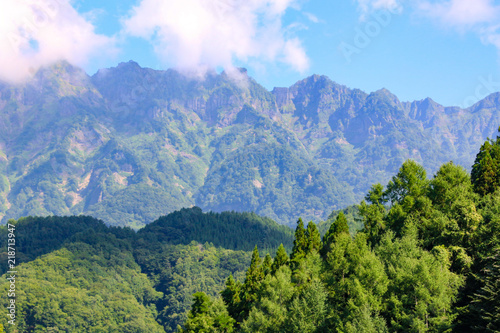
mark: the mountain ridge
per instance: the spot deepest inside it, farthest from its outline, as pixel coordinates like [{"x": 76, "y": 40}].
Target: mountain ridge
[{"x": 129, "y": 144}]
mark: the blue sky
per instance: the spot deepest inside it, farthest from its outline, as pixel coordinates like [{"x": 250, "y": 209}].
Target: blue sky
[{"x": 444, "y": 49}]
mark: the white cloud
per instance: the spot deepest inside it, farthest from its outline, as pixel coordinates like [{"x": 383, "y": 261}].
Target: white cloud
[
  {"x": 460, "y": 13},
  {"x": 35, "y": 33},
  {"x": 479, "y": 16},
  {"x": 210, "y": 33},
  {"x": 295, "y": 55}
]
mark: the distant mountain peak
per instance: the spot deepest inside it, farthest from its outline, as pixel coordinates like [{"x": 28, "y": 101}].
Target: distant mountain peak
[
  {"x": 128, "y": 65},
  {"x": 385, "y": 94},
  {"x": 60, "y": 67},
  {"x": 489, "y": 102},
  {"x": 316, "y": 78},
  {"x": 430, "y": 103},
  {"x": 61, "y": 76}
]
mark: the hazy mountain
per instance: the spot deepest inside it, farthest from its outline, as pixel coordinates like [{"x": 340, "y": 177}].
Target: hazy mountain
[{"x": 130, "y": 144}]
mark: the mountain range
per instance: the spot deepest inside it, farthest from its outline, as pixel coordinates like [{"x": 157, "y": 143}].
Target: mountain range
[{"x": 130, "y": 144}]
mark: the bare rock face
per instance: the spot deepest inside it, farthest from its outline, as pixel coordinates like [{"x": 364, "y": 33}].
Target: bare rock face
[{"x": 283, "y": 96}]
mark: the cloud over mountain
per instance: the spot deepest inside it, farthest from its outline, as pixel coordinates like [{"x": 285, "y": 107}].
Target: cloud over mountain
[
  {"x": 200, "y": 34},
  {"x": 37, "y": 33}
]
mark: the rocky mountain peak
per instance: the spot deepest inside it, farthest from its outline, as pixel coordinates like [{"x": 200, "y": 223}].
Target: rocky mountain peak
[
  {"x": 60, "y": 75},
  {"x": 489, "y": 102},
  {"x": 215, "y": 142}
]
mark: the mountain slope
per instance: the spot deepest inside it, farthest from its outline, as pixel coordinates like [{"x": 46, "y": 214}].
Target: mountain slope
[
  {"x": 79, "y": 274},
  {"x": 130, "y": 144}
]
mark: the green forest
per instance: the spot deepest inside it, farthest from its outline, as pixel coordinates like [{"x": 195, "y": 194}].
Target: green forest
[
  {"x": 78, "y": 275},
  {"x": 420, "y": 254},
  {"x": 426, "y": 260}
]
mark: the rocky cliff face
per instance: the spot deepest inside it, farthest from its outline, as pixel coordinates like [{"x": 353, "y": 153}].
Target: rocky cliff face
[{"x": 129, "y": 143}]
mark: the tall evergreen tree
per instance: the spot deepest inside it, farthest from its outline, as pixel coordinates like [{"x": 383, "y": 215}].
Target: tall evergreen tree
[
  {"x": 421, "y": 289},
  {"x": 281, "y": 258},
  {"x": 313, "y": 238},
  {"x": 486, "y": 302},
  {"x": 456, "y": 223},
  {"x": 407, "y": 192},
  {"x": 254, "y": 273},
  {"x": 300, "y": 242},
  {"x": 338, "y": 226},
  {"x": 231, "y": 296},
  {"x": 270, "y": 314},
  {"x": 267, "y": 264},
  {"x": 307, "y": 311},
  {"x": 355, "y": 278},
  {"x": 376, "y": 194},
  {"x": 201, "y": 303},
  {"x": 253, "y": 281},
  {"x": 374, "y": 222},
  {"x": 485, "y": 175},
  {"x": 341, "y": 224}
]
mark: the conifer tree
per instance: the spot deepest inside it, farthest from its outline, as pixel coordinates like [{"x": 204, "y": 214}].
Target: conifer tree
[
  {"x": 307, "y": 311},
  {"x": 411, "y": 180},
  {"x": 231, "y": 296},
  {"x": 486, "y": 302},
  {"x": 407, "y": 193},
  {"x": 485, "y": 175},
  {"x": 420, "y": 283},
  {"x": 452, "y": 195},
  {"x": 374, "y": 213},
  {"x": 207, "y": 316},
  {"x": 313, "y": 238},
  {"x": 267, "y": 264},
  {"x": 254, "y": 273},
  {"x": 270, "y": 314},
  {"x": 376, "y": 194},
  {"x": 201, "y": 303},
  {"x": 338, "y": 227},
  {"x": 251, "y": 287},
  {"x": 341, "y": 224},
  {"x": 280, "y": 259},
  {"x": 300, "y": 242}
]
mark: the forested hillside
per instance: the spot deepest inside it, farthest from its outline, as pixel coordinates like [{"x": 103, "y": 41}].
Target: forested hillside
[
  {"x": 235, "y": 231},
  {"x": 76, "y": 274},
  {"x": 130, "y": 144},
  {"x": 426, "y": 260}
]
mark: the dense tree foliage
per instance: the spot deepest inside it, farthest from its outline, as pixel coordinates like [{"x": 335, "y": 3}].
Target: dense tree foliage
[
  {"x": 36, "y": 236},
  {"x": 271, "y": 178},
  {"x": 85, "y": 288},
  {"x": 230, "y": 230},
  {"x": 486, "y": 169},
  {"x": 486, "y": 300},
  {"x": 351, "y": 213},
  {"x": 427, "y": 260},
  {"x": 81, "y": 275}
]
